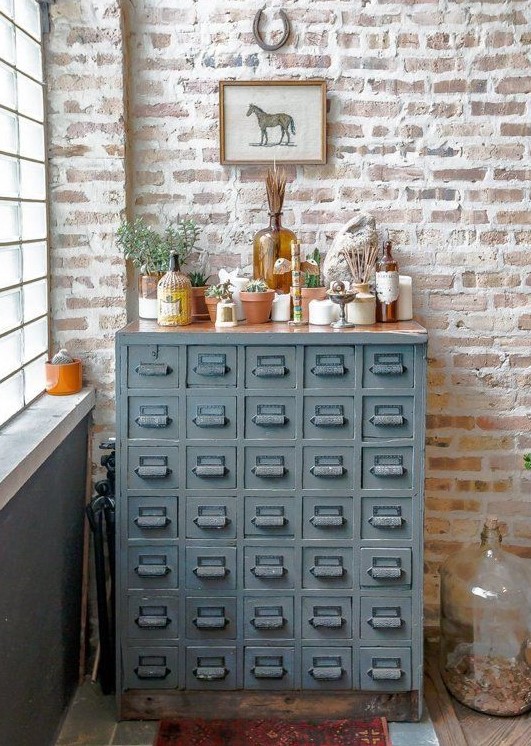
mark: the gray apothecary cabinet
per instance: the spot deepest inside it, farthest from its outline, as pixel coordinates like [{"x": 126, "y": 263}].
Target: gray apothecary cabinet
[{"x": 269, "y": 519}]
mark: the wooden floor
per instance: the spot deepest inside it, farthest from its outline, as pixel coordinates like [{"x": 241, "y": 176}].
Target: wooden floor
[{"x": 457, "y": 725}]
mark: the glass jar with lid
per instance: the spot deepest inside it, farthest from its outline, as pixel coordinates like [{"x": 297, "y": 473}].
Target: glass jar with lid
[{"x": 485, "y": 649}]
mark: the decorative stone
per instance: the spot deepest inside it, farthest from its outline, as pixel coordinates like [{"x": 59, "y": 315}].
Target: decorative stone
[{"x": 357, "y": 235}]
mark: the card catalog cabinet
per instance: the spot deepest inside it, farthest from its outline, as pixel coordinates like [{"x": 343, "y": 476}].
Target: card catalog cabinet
[{"x": 269, "y": 511}]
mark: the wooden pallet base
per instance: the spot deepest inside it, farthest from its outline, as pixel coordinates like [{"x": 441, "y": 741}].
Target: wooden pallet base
[{"x": 155, "y": 705}]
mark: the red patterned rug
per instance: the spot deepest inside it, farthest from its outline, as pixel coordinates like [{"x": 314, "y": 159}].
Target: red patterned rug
[{"x": 196, "y": 732}]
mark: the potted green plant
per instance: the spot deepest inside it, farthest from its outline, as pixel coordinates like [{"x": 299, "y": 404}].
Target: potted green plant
[
  {"x": 149, "y": 252},
  {"x": 312, "y": 287},
  {"x": 199, "y": 281},
  {"x": 213, "y": 295},
  {"x": 257, "y": 301}
]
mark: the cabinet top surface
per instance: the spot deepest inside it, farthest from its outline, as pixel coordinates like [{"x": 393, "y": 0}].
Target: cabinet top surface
[{"x": 401, "y": 331}]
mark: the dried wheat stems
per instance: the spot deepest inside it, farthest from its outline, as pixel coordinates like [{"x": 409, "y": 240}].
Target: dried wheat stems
[{"x": 275, "y": 188}]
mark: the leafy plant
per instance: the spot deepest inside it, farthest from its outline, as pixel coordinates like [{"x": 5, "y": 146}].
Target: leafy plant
[
  {"x": 223, "y": 291},
  {"x": 256, "y": 286},
  {"x": 527, "y": 461},
  {"x": 149, "y": 250},
  {"x": 313, "y": 280},
  {"x": 198, "y": 278}
]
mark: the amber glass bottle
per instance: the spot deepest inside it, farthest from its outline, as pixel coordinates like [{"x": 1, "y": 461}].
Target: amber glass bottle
[
  {"x": 270, "y": 244},
  {"x": 386, "y": 285}
]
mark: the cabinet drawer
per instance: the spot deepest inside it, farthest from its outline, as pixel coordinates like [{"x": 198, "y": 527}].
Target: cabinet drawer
[
  {"x": 269, "y": 516},
  {"x": 326, "y": 567},
  {"x": 152, "y": 367},
  {"x": 270, "y": 418},
  {"x": 211, "y": 668},
  {"x": 211, "y": 517},
  {"x": 385, "y": 669},
  {"x": 153, "y": 467},
  {"x": 266, "y": 618},
  {"x": 211, "y": 366},
  {"x": 269, "y": 567},
  {"x": 326, "y": 617},
  {"x": 210, "y": 417},
  {"x": 327, "y": 468},
  {"x": 210, "y": 467},
  {"x": 385, "y": 567},
  {"x": 387, "y": 417},
  {"x": 211, "y": 568},
  {"x": 327, "y": 518},
  {"x": 153, "y": 417},
  {"x": 387, "y": 468},
  {"x": 385, "y": 618},
  {"x": 269, "y": 668},
  {"x": 152, "y": 567},
  {"x": 269, "y": 468},
  {"x": 388, "y": 366},
  {"x": 154, "y": 617},
  {"x": 326, "y": 668},
  {"x": 152, "y": 517},
  {"x": 270, "y": 368},
  {"x": 151, "y": 668},
  {"x": 328, "y": 417},
  {"x": 386, "y": 518},
  {"x": 211, "y": 618},
  {"x": 329, "y": 368}
]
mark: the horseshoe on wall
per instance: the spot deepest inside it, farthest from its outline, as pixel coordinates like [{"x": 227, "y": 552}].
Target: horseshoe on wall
[{"x": 258, "y": 36}]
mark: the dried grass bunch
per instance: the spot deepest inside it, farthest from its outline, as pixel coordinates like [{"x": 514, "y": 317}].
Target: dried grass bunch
[
  {"x": 361, "y": 261},
  {"x": 275, "y": 188}
]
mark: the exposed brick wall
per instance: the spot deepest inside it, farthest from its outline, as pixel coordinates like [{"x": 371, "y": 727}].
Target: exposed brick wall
[{"x": 429, "y": 130}]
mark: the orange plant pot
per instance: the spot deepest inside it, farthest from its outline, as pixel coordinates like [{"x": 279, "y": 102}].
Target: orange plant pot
[
  {"x": 257, "y": 306},
  {"x": 64, "y": 379},
  {"x": 211, "y": 304},
  {"x": 199, "y": 309}
]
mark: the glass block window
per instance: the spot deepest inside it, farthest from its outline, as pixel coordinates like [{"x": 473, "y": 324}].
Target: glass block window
[{"x": 24, "y": 308}]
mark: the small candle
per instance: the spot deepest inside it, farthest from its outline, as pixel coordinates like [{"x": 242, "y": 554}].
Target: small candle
[
  {"x": 405, "y": 298},
  {"x": 322, "y": 312},
  {"x": 281, "y": 310}
]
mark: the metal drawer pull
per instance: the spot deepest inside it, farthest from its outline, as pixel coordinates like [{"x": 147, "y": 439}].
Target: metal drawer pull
[
  {"x": 210, "y": 420},
  {"x": 327, "y": 470},
  {"x": 387, "y": 420},
  {"x": 268, "y": 672},
  {"x": 387, "y": 369},
  {"x": 152, "y": 672},
  {"x": 327, "y": 571},
  {"x": 210, "y": 466},
  {"x": 386, "y": 573},
  {"x": 326, "y": 673},
  {"x": 269, "y": 466},
  {"x": 146, "y": 621},
  {"x": 328, "y": 420},
  {"x": 388, "y": 470},
  {"x": 329, "y": 369},
  {"x": 385, "y": 622},
  {"x": 152, "y": 571},
  {"x": 153, "y": 472},
  {"x": 269, "y": 521},
  {"x": 210, "y": 673},
  {"x": 268, "y": 571},
  {"x": 211, "y": 622},
  {"x": 385, "y": 674},
  {"x": 153, "y": 369},
  {"x": 211, "y": 370},
  {"x": 328, "y": 622},
  {"x": 268, "y": 622},
  {"x": 270, "y": 371},
  {"x": 150, "y": 522},
  {"x": 327, "y": 521},
  {"x": 211, "y": 571},
  {"x": 269, "y": 420},
  {"x": 386, "y": 521},
  {"x": 153, "y": 420},
  {"x": 211, "y": 521}
]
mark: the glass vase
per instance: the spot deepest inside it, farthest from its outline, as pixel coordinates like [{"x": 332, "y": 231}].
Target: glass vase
[{"x": 270, "y": 244}]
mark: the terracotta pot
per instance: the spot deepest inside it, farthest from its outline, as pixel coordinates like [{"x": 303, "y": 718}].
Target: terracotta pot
[
  {"x": 211, "y": 304},
  {"x": 147, "y": 295},
  {"x": 199, "y": 309},
  {"x": 308, "y": 294},
  {"x": 257, "y": 306},
  {"x": 64, "y": 379}
]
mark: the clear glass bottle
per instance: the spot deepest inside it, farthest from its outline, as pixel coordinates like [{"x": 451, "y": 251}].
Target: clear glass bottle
[
  {"x": 174, "y": 296},
  {"x": 485, "y": 649},
  {"x": 270, "y": 244}
]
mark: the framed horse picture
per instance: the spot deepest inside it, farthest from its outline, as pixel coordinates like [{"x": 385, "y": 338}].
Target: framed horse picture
[{"x": 272, "y": 121}]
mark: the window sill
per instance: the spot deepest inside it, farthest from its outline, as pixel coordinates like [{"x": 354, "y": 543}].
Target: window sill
[{"x": 27, "y": 441}]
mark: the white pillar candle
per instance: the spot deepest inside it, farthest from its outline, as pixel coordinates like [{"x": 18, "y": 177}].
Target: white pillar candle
[
  {"x": 281, "y": 310},
  {"x": 405, "y": 298},
  {"x": 322, "y": 312}
]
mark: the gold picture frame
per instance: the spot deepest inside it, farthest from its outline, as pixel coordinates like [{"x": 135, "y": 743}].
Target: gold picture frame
[{"x": 272, "y": 121}]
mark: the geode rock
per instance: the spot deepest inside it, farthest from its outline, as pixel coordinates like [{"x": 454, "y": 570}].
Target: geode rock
[{"x": 357, "y": 235}]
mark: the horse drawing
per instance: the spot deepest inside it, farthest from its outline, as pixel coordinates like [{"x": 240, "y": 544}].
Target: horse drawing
[{"x": 284, "y": 121}]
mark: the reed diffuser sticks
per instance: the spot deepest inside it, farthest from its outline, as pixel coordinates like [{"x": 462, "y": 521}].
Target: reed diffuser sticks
[{"x": 362, "y": 263}]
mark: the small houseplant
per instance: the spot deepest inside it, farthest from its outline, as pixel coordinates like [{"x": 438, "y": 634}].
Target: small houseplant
[
  {"x": 199, "y": 280},
  {"x": 312, "y": 288},
  {"x": 149, "y": 252},
  {"x": 257, "y": 300},
  {"x": 213, "y": 295}
]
